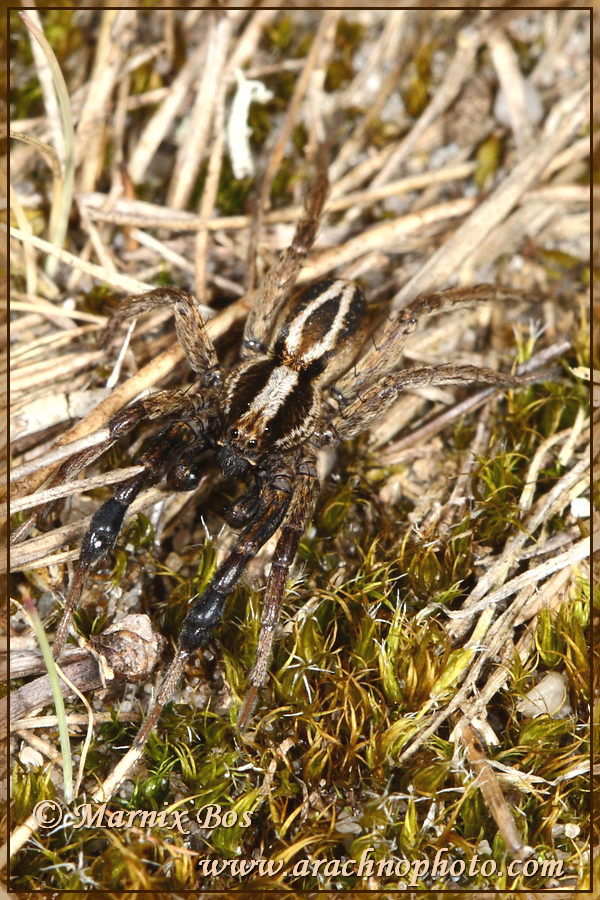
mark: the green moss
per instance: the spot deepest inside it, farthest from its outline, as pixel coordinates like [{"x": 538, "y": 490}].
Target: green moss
[
  {"x": 29, "y": 102},
  {"x": 350, "y": 679},
  {"x": 340, "y": 69},
  {"x": 100, "y": 300},
  {"x": 260, "y": 123},
  {"x": 233, "y": 193},
  {"x": 280, "y": 35},
  {"x": 286, "y": 174},
  {"x": 172, "y": 611},
  {"x": 416, "y": 95},
  {"x": 28, "y": 787},
  {"x": 559, "y": 264},
  {"x": 62, "y": 33},
  {"x": 488, "y": 157},
  {"x": 87, "y": 623},
  {"x": 139, "y": 532}
]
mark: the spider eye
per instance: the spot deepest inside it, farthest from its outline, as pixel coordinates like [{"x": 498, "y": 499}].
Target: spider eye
[
  {"x": 252, "y": 444},
  {"x": 234, "y": 433}
]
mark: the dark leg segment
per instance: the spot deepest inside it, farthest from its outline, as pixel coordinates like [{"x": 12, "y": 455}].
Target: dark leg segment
[
  {"x": 306, "y": 492},
  {"x": 244, "y": 509},
  {"x": 188, "y": 469},
  {"x": 206, "y": 612},
  {"x": 159, "y": 405},
  {"x": 155, "y": 406},
  {"x": 107, "y": 520}
]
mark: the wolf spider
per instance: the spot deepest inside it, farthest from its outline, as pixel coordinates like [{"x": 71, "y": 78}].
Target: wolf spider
[{"x": 300, "y": 384}]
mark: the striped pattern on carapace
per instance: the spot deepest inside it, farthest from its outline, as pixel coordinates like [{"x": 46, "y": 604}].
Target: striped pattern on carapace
[{"x": 272, "y": 402}]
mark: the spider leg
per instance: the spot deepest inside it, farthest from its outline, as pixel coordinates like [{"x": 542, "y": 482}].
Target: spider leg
[
  {"x": 244, "y": 509},
  {"x": 189, "y": 324},
  {"x": 206, "y": 612},
  {"x": 362, "y": 409},
  {"x": 392, "y": 336},
  {"x": 272, "y": 291},
  {"x": 279, "y": 495},
  {"x": 107, "y": 520},
  {"x": 302, "y": 504},
  {"x": 155, "y": 406}
]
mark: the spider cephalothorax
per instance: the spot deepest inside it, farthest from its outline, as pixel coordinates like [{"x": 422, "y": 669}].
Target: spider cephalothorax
[
  {"x": 272, "y": 403},
  {"x": 301, "y": 383}
]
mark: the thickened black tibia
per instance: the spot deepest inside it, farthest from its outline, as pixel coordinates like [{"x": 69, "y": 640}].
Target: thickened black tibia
[
  {"x": 207, "y": 611},
  {"x": 103, "y": 531},
  {"x": 201, "y": 619}
]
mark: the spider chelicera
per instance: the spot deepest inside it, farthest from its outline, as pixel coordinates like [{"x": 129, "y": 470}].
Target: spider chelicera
[{"x": 300, "y": 384}]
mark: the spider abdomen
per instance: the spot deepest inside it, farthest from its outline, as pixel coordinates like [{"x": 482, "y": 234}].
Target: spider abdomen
[{"x": 323, "y": 329}]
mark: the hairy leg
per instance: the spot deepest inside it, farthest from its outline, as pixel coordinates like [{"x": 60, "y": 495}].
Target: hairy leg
[
  {"x": 189, "y": 324},
  {"x": 389, "y": 341},
  {"x": 156, "y": 406},
  {"x": 108, "y": 519},
  {"x": 206, "y": 612},
  {"x": 302, "y": 504},
  {"x": 363, "y": 408},
  {"x": 272, "y": 291}
]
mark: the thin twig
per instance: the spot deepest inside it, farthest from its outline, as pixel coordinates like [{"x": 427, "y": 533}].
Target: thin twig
[
  {"x": 328, "y": 19},
  {"x": 215, "y": 161},
  {"x": 73, "y": 487},
  {"x": 492, "y": 793},
  {"x": 561, "y": 126}
]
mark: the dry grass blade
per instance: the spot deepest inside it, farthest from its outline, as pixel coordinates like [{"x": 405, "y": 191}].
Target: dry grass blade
[
  {"x": 492, "y": 793},
  {"x": 215, "y": 160},
  {"x": 454, "y": 77},
  {"x": 65, "y": 490},
  {"x": 114, "y": 279},
  {"x": 563, "y": 492},
  {"x": 322, "y": 36},
  {"x": 567, "y": 121},
  {"x": 68, "y": 448},
  {"x": 116, "y": 34},
  {"x": 162, "y": 120},
  {"x": 191, "y": 152},
  {"x": 29, "y": 553},
  {"x": 64, "y": 142}
]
